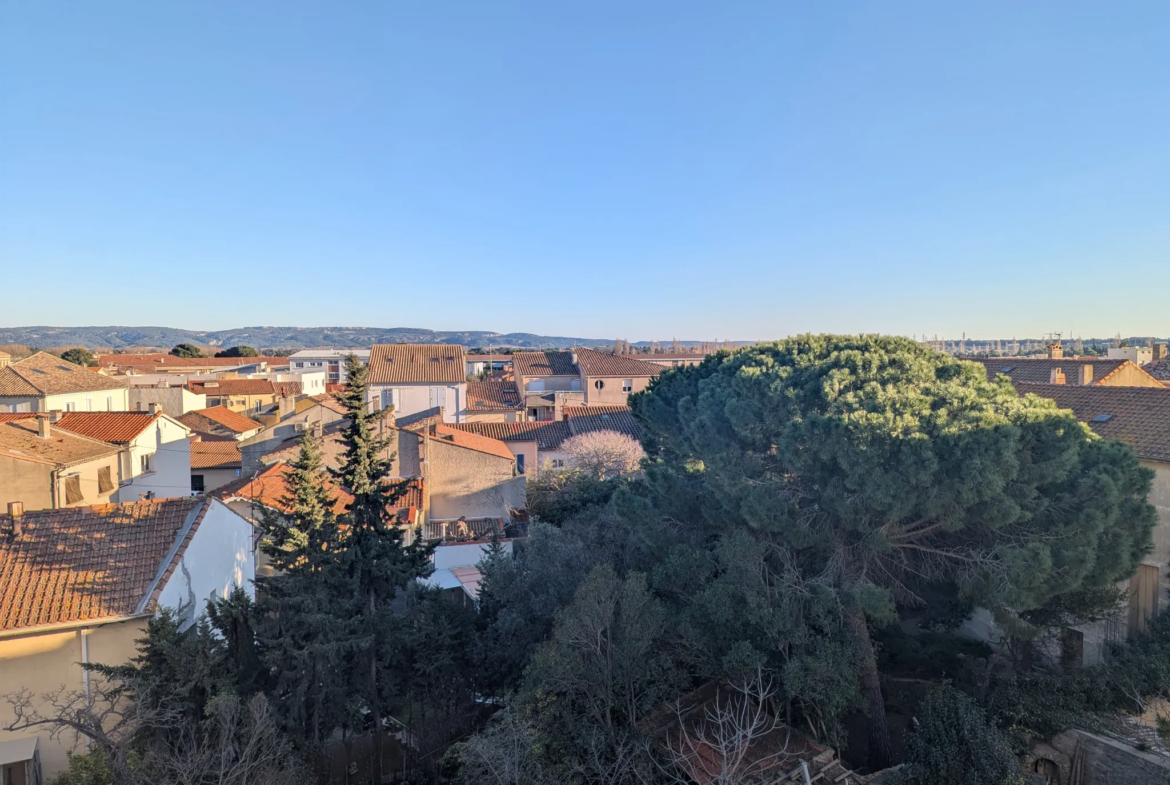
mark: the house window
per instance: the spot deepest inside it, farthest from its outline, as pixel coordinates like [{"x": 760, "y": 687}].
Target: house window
[
  {"x": 89, "y": 404},
  {"x": 599, "y": 384},
  {"x": 259, "y": 405},
  {"x": 628, "y": 385},
  {"x": 558, "y": 463},
  {"x": 520, "y": 463},
  {"x": 387, "y": 399},
  {"x": 197, "y": 483},
  {"x": 71, "y": 406},
  {"x": 146, "y": 463},
  {"x": 536, "y": 385},
  {"x": 73, "y": 489},
  {"x": 105, "y": 480}
]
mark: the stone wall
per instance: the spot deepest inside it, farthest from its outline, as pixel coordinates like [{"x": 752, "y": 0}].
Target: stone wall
[{"x": 1096, "y": 760}]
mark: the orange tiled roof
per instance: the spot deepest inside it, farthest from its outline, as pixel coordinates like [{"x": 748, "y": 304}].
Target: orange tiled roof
[
  {"x": 44, "y": 374},
  {"x": 116, "y": 427},
  {"x": 287, "y": 388},
  {"x": 472, "y": 441},
  {"x": 587, "y": 411},
  {"x": 1159, "y": 369},
  {"x": 84, "y": 563},
  {"x": 220, "y": 415},
  {"x": 329, "y": 402},
  {"x": 536, "y": 364},
  {"x": 595, "y": 363},
  {"x": 493, "y": 396},
  {"x": 417, "y": 363},
  {"x": 223, "y": 454},
  {"x": 233, "y": 387},
  {"x": 269, "y": 487}
]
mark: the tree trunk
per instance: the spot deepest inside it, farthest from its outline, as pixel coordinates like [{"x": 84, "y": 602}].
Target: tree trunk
[
  {"x": 375, "y": 702},
  {"x": 871, "y": 691}
]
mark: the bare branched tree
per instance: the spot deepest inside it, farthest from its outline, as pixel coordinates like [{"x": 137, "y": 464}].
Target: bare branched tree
[
  {"x": 504, "y": 753},
  {"x": 737, "y": 740},
  {"x": 107, "y": 717},
  {"x": 604, "y": 454}
]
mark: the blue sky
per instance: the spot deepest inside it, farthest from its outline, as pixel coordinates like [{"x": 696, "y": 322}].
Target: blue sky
[{"x": 644, "y": 170}]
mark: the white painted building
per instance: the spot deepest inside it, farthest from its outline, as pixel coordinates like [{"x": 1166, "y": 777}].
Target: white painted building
[
  {"x": 329, "y": 361},
  {"x": 415, "y": 377},
  {"x": 155, "y": 462},
  {"x": 44, "y": 383}
]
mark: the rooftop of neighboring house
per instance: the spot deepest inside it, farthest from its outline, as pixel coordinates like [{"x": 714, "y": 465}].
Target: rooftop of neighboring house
[
  {"x": 595, "y": 363},
  {"x": 483, "y": 358},
  {"x": 114, "y": 427},
  {"x": 324, "y": 399},
  {"x": 536, "y": 364},
  {"x": 91, "y": 563},
  {"x": 223, "y": 454},
  {"x": 20, "y": 438},
  {"x": 1159, "y": 369},
  {"x": 417, "y": 363},
  {"x": 329, "y": 354},
  {"x": 668, "y": 356},
  {"x": 43, "y": 374},
  {"x": 1138, "y": 416},
  {"x": 287, "y": 389},
  {"x": 492, "y": 396},
  {"x": 163, "y": 361},
  {"x": 220, "y": 415},
  {"x": 470, "y": 441},
  {"x": 549, "y": 435},
  {"x": 234, "y": 387},
  {"x": 269, "y": 487},
  {"x": 1039, "y": 370}
]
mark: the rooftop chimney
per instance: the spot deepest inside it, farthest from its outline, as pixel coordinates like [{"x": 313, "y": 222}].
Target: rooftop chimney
[
  {"x": 1160, "y": 352},
  {"x": 43, "y": 428},
  {"x": 1057, "y": 376},
  {"x": 55, "y": 416},
  {"x": 16, "y": 511},
  {"x": 558, "y": 407},
  {"x": 155, "y": 407},
  {"x": 1086, "y": 375},
  {"x": 1055, "y": 351}
]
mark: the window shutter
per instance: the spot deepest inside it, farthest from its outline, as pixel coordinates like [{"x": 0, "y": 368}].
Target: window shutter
[
  {"x": 73, "y": 489},
  {"x": 105, "y": 481}
]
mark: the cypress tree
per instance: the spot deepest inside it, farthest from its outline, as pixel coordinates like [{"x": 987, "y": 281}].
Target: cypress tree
[{"x": 374, "y": 563}]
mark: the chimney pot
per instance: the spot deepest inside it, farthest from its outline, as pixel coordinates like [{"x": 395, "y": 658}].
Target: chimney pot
[
  {"x": 1086, "y": 375},
  {"x": 44, "y": 429},
  {"x": 155, "y": 407},
  {"x": 55, "y": 416},
  {"x": 1057, "y": 376},
  {"x": 1055, "y": 351},
  {"x": 16, "y": 512}
]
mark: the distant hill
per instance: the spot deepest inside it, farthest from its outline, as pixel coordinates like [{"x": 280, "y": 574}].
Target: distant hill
[{"x": 276, "y": 337}]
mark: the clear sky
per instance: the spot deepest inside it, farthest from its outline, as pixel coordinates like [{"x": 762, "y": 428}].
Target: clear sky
[{"x": 637, "y": 169}]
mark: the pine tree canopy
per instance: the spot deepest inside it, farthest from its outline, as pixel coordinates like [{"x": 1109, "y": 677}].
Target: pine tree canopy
[{"x": 877, "y": 462}]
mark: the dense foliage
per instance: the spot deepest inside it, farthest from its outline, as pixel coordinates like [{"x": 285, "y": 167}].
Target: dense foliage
[
  {"x": 186, "y": 350},
  {"x": 78, "y": 356},
  {"x": 238, "y": 351}
]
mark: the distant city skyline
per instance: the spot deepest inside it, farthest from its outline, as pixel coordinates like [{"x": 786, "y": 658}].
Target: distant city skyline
[{"x": 662, "y": 169}]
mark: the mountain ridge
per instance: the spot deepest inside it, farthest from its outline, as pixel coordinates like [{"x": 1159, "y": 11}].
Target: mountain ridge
[{"x": 271, "y": 337}]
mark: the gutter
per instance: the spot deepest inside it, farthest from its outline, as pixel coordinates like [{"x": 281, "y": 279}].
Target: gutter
[{"x": 46, "y": 629}]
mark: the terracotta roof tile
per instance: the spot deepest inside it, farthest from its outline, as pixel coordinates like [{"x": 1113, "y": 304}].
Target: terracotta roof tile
[
  {"x": 536, "y": 364},
  {"x": 595, "y": 363},
  {"x": 588, "y": 411},
  {"x": 86, "y": 563},
  {"x": 223, "y": 454},
  {"x": 1138, "y": 416},
  {"x": 472, "y": 441},
  {"x": 492, "y": 396},
  {"x": 20, "y": 439},
  {"x": 44, "y": 374},
  {"x": 290, "y": 389},
  {"x": 115, "y": 427},
  {"x": 269, "y": 487},
  {"x": 621, "y": 421},
  {"x": 219, "y": 415},
  {"x": 417, "y": 363}
]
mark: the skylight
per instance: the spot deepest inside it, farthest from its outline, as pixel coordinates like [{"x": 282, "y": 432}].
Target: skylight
[
  {"x": 1009, "y": 369},
  {"x": 1103, "y": 418}
]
